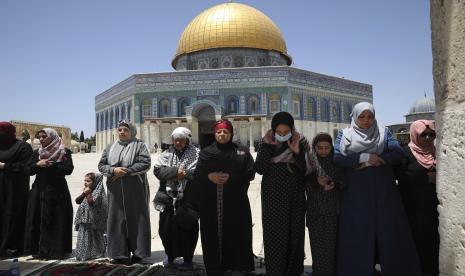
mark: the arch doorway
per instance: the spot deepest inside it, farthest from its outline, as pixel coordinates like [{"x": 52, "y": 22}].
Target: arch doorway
[{"x": 206, "y": 120}]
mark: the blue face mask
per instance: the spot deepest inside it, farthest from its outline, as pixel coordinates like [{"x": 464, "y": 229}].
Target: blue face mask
[{"x": 284, "y": 138}]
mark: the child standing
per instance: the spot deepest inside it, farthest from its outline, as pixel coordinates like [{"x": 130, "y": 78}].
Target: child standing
[
  {"x": 91, "y": 219},
  {"x": 322, "y": 188}
]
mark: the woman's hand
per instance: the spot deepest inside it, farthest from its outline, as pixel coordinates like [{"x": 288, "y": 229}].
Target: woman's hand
[
  {"x": 329, "y": 186},
  {"x": 87, "y": 190},
  {"x": 323, "y": 180},
  {"x": 119, "y": 172},
  {"x": 181, "y": 174},
  {"x": 375, "y": 160},
  {"x": 219, "y": 178},
  {"x": 293, "y": 143},
  {"x": 42, "y": 163}
]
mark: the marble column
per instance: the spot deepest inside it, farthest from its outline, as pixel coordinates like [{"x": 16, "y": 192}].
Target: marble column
[{"x": 251, "y": 144}]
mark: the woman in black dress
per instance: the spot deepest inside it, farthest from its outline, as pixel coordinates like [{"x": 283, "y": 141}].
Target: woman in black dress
[
  {"x": 281, "y": 161},
  {"x": 49, "y": 219},
  {"x": 14, "y": 188},
  {"x": 222, "y": 178},
  {"x": 417, "y": 184}
]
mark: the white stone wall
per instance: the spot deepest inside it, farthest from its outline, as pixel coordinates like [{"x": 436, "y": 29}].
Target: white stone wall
[{"x": 448, "y": 43}]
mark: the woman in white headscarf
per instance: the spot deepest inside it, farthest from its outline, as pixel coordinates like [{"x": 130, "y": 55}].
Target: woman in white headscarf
[
  {"x": 178, "y": 225},
  {"x": 372, "y": 220},
  {"x": 49, "y": 219},
  {"x": 125, "y": 164}
]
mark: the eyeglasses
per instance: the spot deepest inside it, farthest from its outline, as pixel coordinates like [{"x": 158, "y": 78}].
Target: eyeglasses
[{"x": 428, "y": 135}]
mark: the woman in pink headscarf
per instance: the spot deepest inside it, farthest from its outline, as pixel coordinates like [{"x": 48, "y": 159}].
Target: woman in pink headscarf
[
  {"x": 417, "y": 183},
  {"x": 49, "y": 219}
]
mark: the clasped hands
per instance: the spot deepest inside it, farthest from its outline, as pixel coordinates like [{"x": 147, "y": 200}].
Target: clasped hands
[
  {"x": 118, "y": 172},
  {"x": 325, "y": 183},
  {"x": 219, "y": 178},
  {"x": 44, "y": 163}
]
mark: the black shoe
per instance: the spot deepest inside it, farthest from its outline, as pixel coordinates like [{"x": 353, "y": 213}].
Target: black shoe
[{"x": 135, "y": 259}]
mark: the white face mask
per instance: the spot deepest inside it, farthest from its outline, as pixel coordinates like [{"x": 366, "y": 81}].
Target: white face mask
[{"x": 284, "y": 138}]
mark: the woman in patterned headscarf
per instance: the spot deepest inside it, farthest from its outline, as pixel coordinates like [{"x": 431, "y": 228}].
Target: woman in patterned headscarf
[
  {"x": 175, "y": 170},
  {"x": 125, "y": 164},
  {"x": 417, "y": 185},
  {"x": 322, "y": 189},
  {"x": 372, "y": 219},
  {"x": 14, "y": 188},
  {"x": 49, "y": 219},
  {"x": 222, "y": 178}
]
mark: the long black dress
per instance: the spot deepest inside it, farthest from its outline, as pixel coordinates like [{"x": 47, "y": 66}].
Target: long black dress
[
  {"x": 49, "y": 219},
  {"x": 14, "y": 189},
  {"x": 225, "y": 215},
  {"x": 421, "y": 202},
  {"x": 178, "y": 240},
  {"x": 283, "y": 210}
]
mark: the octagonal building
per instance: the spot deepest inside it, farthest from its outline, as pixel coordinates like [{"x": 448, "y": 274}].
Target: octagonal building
[{"x": 231, "y": 62}]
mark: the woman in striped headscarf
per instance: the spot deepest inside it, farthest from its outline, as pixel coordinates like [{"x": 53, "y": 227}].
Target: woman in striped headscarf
[{"x": 49, "y": 218}]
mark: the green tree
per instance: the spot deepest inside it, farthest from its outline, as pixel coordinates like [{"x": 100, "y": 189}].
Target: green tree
[
  {"x": 26, "y": 135},
  {"x": 74, "y": 136},
  {"x": 81, "y": 137}
]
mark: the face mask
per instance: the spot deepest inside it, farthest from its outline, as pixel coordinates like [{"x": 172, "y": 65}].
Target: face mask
[{"x": 284, "y": 138}]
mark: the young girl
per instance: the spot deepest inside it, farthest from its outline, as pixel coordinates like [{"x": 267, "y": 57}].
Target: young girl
[
  {"x": 91, "y": 219},
  {"x": 322, "y": 188}
]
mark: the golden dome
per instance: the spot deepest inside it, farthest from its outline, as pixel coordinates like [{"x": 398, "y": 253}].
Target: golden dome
[{"x": 231, "y": 25}]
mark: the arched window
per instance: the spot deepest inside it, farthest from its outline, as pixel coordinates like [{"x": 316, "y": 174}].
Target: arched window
[
  {"x": 117, "y": 119},
  {"x": 102, "y": 126},
  {"x": 164, "y": 107},
  {"x": 324, "y": 110},
  {"x": 275, "y": 103},
  {"x": 183, "y": 103},
  {"x": 296, "y": 105},
  {"x": 146, "y": 108},
  {"x": 111, "y": 119},
  {"x": 335, "y": 112},
  {"x": 123, "y": 112},
  {"x": 253, "y": 104},
  {"x": 347, "y": 112},
  {"x": 232, "y": 104},
  {"x": 311, "y": 108},
  {"x": 106, "y": 120}
]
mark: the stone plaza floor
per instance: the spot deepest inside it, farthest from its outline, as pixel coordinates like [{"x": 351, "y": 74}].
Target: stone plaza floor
[{"x": 84, "y": 163}]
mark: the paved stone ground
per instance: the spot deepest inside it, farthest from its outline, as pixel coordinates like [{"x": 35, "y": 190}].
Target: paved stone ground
[{"x": 84, "y": 163}]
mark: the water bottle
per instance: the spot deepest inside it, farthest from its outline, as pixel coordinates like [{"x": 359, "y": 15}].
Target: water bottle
[{"x": 14, "y": 269}]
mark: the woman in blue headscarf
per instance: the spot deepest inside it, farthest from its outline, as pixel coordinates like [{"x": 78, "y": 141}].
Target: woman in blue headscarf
[{"x": 372, "y": 220}]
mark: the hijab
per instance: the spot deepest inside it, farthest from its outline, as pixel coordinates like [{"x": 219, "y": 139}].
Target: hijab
[
  {"x": 55, "y": 150},
  {"x": 225, "y": 124},
  {"x": 282, "y": 153},
  {"x": 426, "y": 156},
  {"x": 7, "y": 135},
  {"x": 217, "y": 151},
  {"x": 324, "y": 165},
  {"x": 94, "y": 215},
  {"x": 359, "y": 140},
  {"x": 122, "y": 153}
]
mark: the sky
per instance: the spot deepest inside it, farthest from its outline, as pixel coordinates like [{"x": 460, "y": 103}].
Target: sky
[{"x": 57, "y": 55}]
